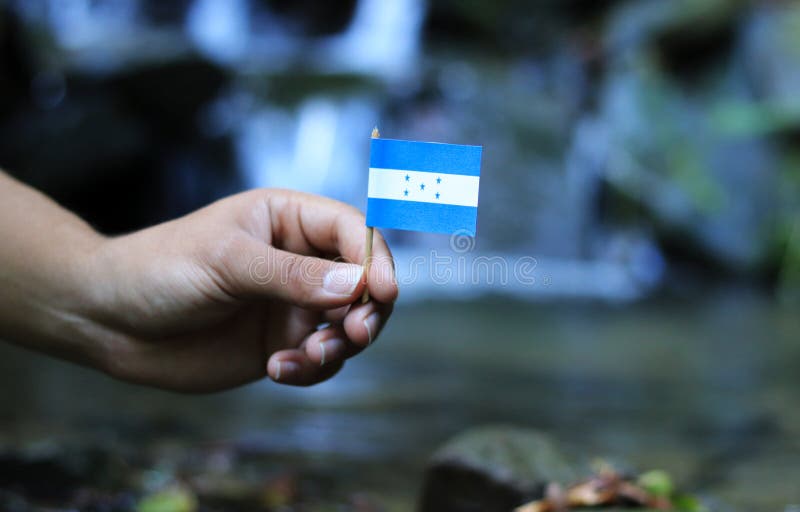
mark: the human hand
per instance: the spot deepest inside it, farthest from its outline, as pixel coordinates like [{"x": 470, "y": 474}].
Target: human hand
[{"x": 236, "y": 291}]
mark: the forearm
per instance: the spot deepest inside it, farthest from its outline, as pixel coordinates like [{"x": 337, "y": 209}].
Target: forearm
[{"x": 45, "y": 257}]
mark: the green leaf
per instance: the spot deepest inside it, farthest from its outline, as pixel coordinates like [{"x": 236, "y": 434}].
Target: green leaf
[
  {"x": 686, "y": 503},
  {"x": 657, "y": 483},
  {"x": 169, "y": 500}
]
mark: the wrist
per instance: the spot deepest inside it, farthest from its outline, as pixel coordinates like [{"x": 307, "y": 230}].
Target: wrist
[
  {"x": 77, "y": 311},
  {"x": 45, "y": 276},
  {"x": 51, "y": 306}
]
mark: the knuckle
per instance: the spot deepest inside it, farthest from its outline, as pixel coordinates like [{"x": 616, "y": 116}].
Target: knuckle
[
  {"x": 226, "y": 259},
  {"x": 296, "y": 279}
]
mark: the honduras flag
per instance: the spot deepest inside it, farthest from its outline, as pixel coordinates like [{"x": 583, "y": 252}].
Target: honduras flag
[{"x": 423, "y": 186}]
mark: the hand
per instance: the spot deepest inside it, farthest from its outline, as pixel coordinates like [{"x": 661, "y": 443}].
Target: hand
[{"x": 236, "y": 291}]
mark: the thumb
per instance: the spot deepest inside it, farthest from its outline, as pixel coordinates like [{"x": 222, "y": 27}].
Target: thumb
[{"x": 306, "y": 281}]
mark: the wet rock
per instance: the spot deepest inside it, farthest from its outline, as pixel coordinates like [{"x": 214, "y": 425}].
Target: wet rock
[
  {"x": 493, "y": 468},
  {"x": 668, "y": 152},
  {"x": 689, "y": 39}
]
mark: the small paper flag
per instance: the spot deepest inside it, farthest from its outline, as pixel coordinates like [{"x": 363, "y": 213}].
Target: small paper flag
[{"x": 423, "y": 186}]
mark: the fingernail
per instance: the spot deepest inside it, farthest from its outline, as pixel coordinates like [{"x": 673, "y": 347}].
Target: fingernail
[
  {"x": 342, "y": 279},
  {"x": 330, "y": 350},
  {"x": 286, "y": 370},
  {"x": 372, "y": 323}
]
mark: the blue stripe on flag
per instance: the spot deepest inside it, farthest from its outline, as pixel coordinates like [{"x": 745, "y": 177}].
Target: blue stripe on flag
[
  {"x": 425, "y": 156},
  {"x": 416, "y": 216}
]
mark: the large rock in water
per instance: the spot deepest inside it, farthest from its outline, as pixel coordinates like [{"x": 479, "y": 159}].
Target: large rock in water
[{"x": 494, "y": 468}]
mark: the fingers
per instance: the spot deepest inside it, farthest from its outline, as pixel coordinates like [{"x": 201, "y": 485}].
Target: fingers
[
  {"x": 360, "y": 328},
  {"x": 364, "y": 322},
  {"x": 381, "y": 279},
  {"x": 293, "y": 367},
  {"x": 336, "y": 316},
  {"x": 260, "y": 271},
  {"x": 329, "y": 347}
]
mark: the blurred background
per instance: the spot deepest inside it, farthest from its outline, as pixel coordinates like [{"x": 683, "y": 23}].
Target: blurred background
[{"x": 646, "y": 153}]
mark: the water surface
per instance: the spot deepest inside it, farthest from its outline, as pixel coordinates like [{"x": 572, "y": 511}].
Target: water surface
[{"x": 705, "y": 389}]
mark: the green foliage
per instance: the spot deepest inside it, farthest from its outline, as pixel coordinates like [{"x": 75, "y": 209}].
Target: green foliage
[
  {"x": 751, "y": 119},
  {"x": 657, "y": 483},
  {"x": 169, "y": 500},
  {"x": 686, "y": 503}
]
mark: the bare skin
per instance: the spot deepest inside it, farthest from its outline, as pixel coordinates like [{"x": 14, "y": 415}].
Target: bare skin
[{"x": 227, "y": 295}]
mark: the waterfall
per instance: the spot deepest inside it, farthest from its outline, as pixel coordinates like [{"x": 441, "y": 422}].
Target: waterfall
[
  {"x": 382, "y": 40},
  {"x": 219, "y": 29}
]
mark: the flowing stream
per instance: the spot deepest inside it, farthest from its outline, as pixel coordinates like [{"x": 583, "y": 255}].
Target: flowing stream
[{"x": 704, "y": 389}]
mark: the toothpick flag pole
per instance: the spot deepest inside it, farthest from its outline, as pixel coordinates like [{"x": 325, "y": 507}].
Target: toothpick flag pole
[{"x": 370, "y": 233}]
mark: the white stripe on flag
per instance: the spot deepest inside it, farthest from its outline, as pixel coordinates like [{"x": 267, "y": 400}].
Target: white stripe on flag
[{"x": 424, "y": 187}]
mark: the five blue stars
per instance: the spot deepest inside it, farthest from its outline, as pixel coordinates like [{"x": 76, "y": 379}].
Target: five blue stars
[{"x": 422, "y": 186}]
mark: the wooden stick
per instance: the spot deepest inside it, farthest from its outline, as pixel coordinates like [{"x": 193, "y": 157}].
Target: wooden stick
[
  {"x": 370, "y": 235},
  {"x": 370, "y": 232}
]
